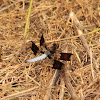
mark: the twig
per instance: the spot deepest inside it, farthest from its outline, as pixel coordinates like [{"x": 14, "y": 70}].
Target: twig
[
  {"x": 53, "y": 83},
  {"x": 69, "y": 85},
  {"x": 61, "y": 96}
]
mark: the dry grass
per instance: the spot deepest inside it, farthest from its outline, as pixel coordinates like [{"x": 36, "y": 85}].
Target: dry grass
[{"x": 29, "y": 81}]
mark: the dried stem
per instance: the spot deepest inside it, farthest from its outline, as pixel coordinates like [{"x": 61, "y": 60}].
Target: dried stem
[
  {"x": 79, "y": 29},
  {"x": 61, "y": 96},
  {"x": 24, "y": 92},
  {"x": 53, "y": 83},
  {"x": 69, "y": 85}
]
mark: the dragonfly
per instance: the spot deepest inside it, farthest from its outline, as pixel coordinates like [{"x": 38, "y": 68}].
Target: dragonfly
[{"x": 49, "y": 53}]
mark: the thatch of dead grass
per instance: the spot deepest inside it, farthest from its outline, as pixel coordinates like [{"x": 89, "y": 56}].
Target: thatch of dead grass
[{"x": 29, "y": 81}]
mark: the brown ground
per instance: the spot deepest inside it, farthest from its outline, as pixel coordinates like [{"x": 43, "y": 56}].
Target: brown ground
[{"x": 29, "y": 81}]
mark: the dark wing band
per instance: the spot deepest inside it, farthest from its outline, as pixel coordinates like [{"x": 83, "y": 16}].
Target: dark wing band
[
  {"x": 34, "y": 48},
  {"x": 57, "y": 64},
  {"x": 65, "y": 56}
]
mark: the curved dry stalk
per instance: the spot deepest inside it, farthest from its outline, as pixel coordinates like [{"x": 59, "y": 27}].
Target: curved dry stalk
[{"x": 79, "y": 28}]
